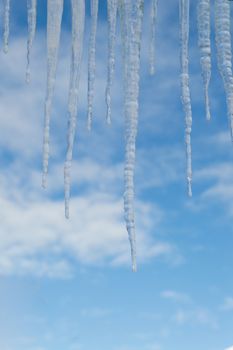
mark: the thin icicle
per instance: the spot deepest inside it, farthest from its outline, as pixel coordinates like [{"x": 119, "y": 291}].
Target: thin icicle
[
  {"x": 54, "y": 18},
  {"x": 6, "y": 32},
  {"x": 78, "y": 22},
  {"x": 154, "y": 15},
  {"x": 112, "y": 16},
  {"x": 185, "y": 91},
  {"x": 91, "y": 61},
  {"x": 31, "y": 8},
  {"x": 203, "y": 24},
  {"x": 131, "y": 14},
  {"x": 223, "y": 43}
]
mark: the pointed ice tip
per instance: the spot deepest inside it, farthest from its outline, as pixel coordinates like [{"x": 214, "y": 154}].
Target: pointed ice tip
[
  {"x": 67, "y": 214},
  {"x": 28, "y": 76},
  {"x": 134, "y": 267},
  {"x": 208, "y": 116},
  {"x": 44, "y": 181},
  {"x": 190, "y": 188},
  {"x": 108, "y": 120},
  {"x": 5, "y": 49},
  {"x": 88, "y": 125},
  {"x": 152, "y": 71}
]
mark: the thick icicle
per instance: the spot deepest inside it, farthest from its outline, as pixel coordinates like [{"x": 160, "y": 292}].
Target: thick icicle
[
  {"x": 6, "y": 32},
  {"x": 203, "y": 24},
  {"x": 31, "y": 8},
  {"x": 154, "y": 15},
  {"x": 78, "y": 21},
  {"x": 223, "y": 43},
  {"x": 112, "y": 16},
  {"x": 91, "y": 60},
  {"x": 131, "y": 14},
  {"x": 185, "y": 91},
  {"x": 54, "y": 18}
]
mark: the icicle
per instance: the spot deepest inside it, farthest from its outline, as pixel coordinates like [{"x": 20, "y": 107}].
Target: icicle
[
  {"x": 112, "y": 15},
  {"x": 154, "y": 14},
  {"x": 78, "y": 21},
  {"x": 223, "y": 43},
  {"x": 185, "y": 92},
  {"x": 91, "y": 60},
  {"x": 203, "y": 23},
  {"x": 131, "y": 15},
  {"x": 6, "y": 32},
  {"x": 31, "y": 7},
  {"x": 54, "y": 17}
]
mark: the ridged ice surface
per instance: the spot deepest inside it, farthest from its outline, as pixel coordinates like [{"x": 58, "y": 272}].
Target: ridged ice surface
[
  {"x": 78, "y": 21},
  {"x": 203, "y": 23},
  {"x": 6, "y": 31},
  {"x": 112, "y": 16},
  {"x": 185, "y": 91},
  {"x": 54, "y": 18},
  {"x": 132, "y": 14},
  {"x": 154, "y": 14},
  {"x": 31, "y": 9},
  {"x": 224, "y": 52},
  {"x": 92, "y": 61}
]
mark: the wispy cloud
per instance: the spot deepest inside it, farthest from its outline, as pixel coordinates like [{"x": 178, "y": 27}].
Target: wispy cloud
[
  {"x": 176, "y": 296},
  {"x": 228, "y": 304}
]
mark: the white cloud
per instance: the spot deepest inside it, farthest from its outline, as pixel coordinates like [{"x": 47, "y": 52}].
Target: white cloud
[
  {"x": 228, "y": 304},
  {"x": 35, "y": 237},
  {"x": 196, "y": 315},
  {"x": 175, "y": 296}
]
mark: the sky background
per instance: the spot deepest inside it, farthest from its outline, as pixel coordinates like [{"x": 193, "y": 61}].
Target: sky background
[{"x": 68, "y": 285}]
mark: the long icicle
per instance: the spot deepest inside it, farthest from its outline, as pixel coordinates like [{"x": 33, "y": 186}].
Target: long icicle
[
  {"x": 203, "y": 24},
  {"x": 78, "y": 23},
  {"x": 31, "y": 8},
  {"x": 154, "y": 15},
  {"x": 92, "y": 61},
  {"x": 185, "y": 91},
  {"x": 54, "y": 18},
  {"x": 132, "y": 16},
  {"x": 112, "y": 16},
  {"x": 223, "y": 43},
  {"x": 6, "y": 31}
]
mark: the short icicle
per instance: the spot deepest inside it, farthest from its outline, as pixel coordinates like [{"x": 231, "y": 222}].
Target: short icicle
[
  {"x": 132, "y": 15},
  {"x": 6, "y": 31},
  {"x": 154, "y": 15},
  {"x": 78, "y": 22},
  {"x": 112, "y": 16},
  {"x": 203, "y": 24},
  {"x": 224, "y": 52},
  {"x": 185, "y": 91},
  {"x": 92, "y": 61},
  {"x": 31, "y": 8},
  {"x": 54, "y": 18}
]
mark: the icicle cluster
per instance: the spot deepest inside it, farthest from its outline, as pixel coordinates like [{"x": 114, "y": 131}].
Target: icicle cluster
[{"x": 131, "y": 17}]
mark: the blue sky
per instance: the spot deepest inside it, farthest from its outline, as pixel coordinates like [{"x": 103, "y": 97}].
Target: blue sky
[{"x": 68, "y": 284}]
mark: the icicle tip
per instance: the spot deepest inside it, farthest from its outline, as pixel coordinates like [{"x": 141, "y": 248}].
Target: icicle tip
[
  {"x": 190, "y": 188},
  {"x": 44, "y": 181}
]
